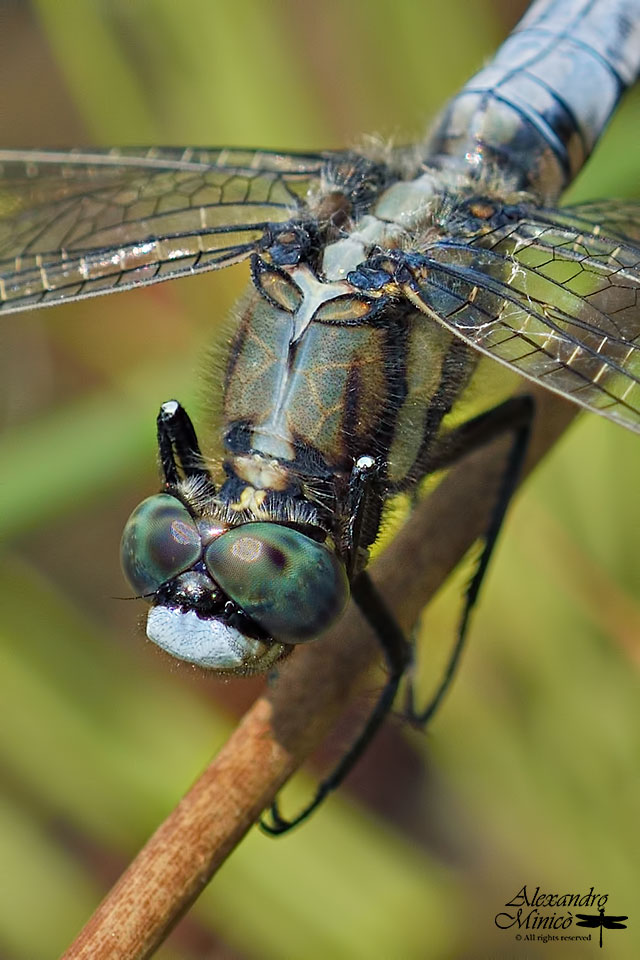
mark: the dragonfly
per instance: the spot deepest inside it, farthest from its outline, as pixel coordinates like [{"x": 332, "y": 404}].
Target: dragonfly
[
  {"x": 379, "y": 281},
  {"x": 600, "y": 920}
]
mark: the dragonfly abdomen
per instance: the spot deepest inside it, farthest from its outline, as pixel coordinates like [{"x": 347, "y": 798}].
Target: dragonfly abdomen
[{"x": 537, "y": 110}]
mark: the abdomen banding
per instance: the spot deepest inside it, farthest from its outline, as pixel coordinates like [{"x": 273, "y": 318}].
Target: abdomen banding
[{"x": 540, "y": 106}]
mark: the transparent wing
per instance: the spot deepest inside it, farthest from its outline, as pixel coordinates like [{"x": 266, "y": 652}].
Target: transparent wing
[
  {"x": 546, "y": 295},
  {"x": 616, "y": 219},
  {"x": 75, "y": 224}
]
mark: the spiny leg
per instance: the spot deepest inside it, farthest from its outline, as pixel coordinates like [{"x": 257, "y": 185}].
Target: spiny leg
[
  {"x": 513, "y": 416},
  {"x": 397, "y": 656},
  {"x": 507, "y": 417},
  {"x": 363, "y": 510},
  {"x": 178, "y": 446}
]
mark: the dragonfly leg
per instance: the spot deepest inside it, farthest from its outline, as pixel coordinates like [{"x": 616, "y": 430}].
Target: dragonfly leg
[
  {"x": 513, "y": 416},
  {"x": 178, "y": 446},
  {"x": 364, "y": 507},
  {"x": 397, "y": 656}
]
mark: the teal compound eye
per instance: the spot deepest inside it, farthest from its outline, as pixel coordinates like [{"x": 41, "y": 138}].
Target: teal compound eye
[
  {"x": 159, "y": 541},
  {"x": 290, "y": 585}
]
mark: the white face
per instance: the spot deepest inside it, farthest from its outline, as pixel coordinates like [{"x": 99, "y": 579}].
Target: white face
[{"x": 210, "y": 644}]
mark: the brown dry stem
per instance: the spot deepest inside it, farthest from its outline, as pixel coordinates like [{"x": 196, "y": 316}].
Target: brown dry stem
[{"x": 286, "y": 723}]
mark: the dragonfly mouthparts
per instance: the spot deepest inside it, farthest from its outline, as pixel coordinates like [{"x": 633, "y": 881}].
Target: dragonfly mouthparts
[{"x": 210, "y": 642}]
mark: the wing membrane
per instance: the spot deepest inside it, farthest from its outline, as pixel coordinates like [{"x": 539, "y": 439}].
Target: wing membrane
[
  {"x": 542, "y": 294},
  {"x": 619, "y": 219},
  {"x": 75, "y": 224}
]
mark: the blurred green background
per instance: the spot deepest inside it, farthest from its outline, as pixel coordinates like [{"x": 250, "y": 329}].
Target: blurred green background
[{"x": 529, "y": 775}]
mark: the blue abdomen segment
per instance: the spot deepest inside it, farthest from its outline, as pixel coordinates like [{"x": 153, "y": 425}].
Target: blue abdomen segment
[{"x": 537, "y": 110}]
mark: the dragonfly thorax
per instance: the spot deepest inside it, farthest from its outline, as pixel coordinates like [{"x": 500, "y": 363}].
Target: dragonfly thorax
[{"x": 321, "y": 373}]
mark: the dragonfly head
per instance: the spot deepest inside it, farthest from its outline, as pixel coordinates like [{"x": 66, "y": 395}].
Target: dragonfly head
[{"x": 229, "y": 598}]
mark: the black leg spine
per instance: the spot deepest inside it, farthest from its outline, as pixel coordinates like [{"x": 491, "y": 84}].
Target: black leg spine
[
  {"x": 514, "y": 415},
  {"x": 397, "y": 654}
]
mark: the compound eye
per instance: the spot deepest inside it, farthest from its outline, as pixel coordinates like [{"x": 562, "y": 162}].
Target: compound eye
[
  {"x": 160, "y": 540},
  {"x": 293, "y": 587}
]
